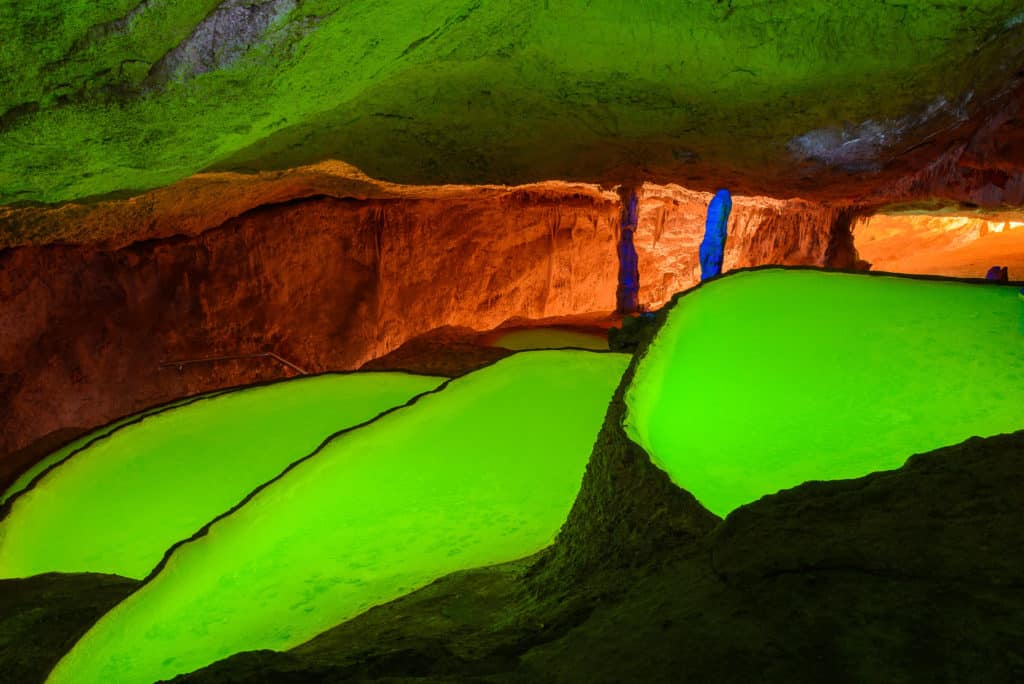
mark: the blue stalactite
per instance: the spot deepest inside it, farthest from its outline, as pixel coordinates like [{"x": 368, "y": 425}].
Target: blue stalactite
[
  {"x": 712, "y": 249},
  {"x": 628, "y": 292}
]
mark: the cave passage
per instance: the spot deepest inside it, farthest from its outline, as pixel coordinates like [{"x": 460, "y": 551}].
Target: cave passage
[
  {"x": 766, "y": 379},
  {"x": 939, "y": 244},
  {"x": 481, "y": 472},
  {"x": 117, "y": 506}
]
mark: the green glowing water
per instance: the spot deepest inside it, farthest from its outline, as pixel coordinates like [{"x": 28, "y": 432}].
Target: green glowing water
[
  {"x": 767, "y": 379},
  {"x": 481, "y": 472},
  {"x": 551, "y": 338},
  {"x": 117, "y": 506},
  {"x": 25, "y": 479}
]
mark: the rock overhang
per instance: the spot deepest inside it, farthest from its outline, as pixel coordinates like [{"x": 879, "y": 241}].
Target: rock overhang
[{"x": 830, "y": 101}]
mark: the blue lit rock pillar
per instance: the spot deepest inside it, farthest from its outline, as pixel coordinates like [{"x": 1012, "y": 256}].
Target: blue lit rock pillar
[
  {"x": 712, "y": 249},
  {"x": 627, "y": 294}
]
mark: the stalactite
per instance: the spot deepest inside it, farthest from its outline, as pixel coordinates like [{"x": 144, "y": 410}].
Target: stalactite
[
  {"x": 712, "y": 249},
  {"x": 627, "y": 294}
]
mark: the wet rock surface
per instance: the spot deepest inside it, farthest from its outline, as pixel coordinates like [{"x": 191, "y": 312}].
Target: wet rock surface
[{"x": 448, "y": 352}]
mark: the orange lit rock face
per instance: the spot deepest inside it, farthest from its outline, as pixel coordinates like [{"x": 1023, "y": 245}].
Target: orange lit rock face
[
  {"x": 942, "y": 245},
  {"x": 207, "y": 200},
  {"x": 325, "y": 283},
  {"x": 761, "y": 231}
]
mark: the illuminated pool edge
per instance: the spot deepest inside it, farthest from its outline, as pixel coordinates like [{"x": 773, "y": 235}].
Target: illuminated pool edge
[{"x": 635, "y": 402}]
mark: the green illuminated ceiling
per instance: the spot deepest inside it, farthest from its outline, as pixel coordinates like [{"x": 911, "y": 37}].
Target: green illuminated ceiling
[{"x": 474, "y": 91}]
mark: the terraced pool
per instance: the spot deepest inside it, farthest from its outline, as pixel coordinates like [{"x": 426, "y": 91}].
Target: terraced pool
[
  {"x": 481, "y": 472},
  {"x": 118, "y": 505},
  {"x": 25, "y": 479},
  {"x": 766, "y": 379}
]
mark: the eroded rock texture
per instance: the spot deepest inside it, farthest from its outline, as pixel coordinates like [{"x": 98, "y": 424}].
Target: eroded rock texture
[
  {"x": 43, "y": 616},
  {"x": 783, "y": 98},
  {"x": 761, "y": 231},
  {"x": 325, "y": 283}
]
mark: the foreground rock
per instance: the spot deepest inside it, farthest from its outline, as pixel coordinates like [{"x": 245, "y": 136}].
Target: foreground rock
[{"x": 43, "y": 616}]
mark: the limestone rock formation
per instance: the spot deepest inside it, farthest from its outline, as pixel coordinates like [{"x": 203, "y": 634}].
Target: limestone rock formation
[
  {"x": 762, "y": 230},
  {"x": 325, "y": 281}
]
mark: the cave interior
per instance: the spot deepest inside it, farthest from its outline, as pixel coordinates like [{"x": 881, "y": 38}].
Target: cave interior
[{"x": 518, "y": 341}]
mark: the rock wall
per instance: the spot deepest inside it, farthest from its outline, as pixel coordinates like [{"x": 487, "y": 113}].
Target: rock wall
[
  {"x": 325, "y": 283},
  {"x": 761, "y": 231}
]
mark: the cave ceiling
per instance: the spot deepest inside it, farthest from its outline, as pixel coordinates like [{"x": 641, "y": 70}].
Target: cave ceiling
[{"x": 104, "y": 98}]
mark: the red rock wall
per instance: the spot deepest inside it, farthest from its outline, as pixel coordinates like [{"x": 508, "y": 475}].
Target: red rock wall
[{"x": 325, "y": 283}]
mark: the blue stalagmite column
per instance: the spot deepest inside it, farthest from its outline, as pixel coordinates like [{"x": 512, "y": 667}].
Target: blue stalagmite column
[
  {"x": 712, "y": 249},
  {"x": 627, "y": 294}
]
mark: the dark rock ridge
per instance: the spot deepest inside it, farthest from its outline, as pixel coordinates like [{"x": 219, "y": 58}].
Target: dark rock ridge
[{"x": 42, "y": 617}]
